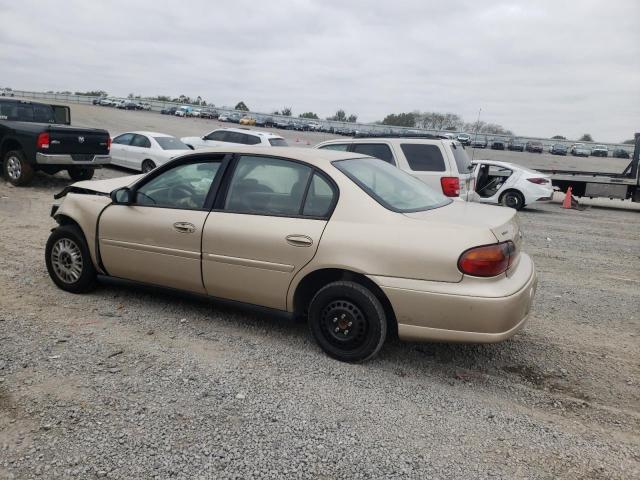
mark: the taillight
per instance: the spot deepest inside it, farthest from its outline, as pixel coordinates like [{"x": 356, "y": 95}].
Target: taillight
[
  {"x": 43, "y": 141},
  {"x": 108, "y": 143},
  {"x": 539, "y": 181},
  {"x": 488, "y": 260},
  {"x": 450, "y": 186}
]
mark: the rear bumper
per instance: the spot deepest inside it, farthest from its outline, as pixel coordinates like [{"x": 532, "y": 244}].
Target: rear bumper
[
  {"x": 471, "y": 311},
  {"x": 65, "y": 159}
]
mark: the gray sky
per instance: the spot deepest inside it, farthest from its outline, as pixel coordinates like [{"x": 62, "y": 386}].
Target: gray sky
[{"x": 538, "y": 67}]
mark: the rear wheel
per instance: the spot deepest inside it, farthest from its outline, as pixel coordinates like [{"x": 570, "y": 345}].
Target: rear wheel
[
  {"x": 513, "y": 199},
  {"x": 80, "y": 173},
  {"x": 147, "y": 166},
  {"x": 68, "y": 260},
  {"x": 16, "y": 169},
  {"x": 347, "y": 321}
]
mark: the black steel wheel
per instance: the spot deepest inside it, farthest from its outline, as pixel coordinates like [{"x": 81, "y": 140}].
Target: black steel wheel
[
  {"x": 347, "y": 321},
  {"x": 513, "y": 199}
]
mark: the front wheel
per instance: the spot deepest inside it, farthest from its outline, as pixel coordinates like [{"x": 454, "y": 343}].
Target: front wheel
[
  {"x": 16, "y": 169},
  {"x": 513, "y": 200},
  {"x": 347, "y": 321},
  {"x": 68, "y": 260},
  {"x": 147, "y": 166},
  {"x": 80, "y": 173}
]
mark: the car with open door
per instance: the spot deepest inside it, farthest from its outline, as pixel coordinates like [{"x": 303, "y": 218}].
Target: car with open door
[
  {"x": 354, "y": 245},
  {"x": 509, "y": 184},
  {"x": 144, "y": 151}
]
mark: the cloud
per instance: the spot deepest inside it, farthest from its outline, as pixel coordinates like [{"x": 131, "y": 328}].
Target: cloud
[{"x": 538, "y": 68}]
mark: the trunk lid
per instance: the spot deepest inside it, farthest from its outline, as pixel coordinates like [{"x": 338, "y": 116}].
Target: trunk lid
[
  {"x": 78, "y": 141},
  {"x": 503, "y": 222}
]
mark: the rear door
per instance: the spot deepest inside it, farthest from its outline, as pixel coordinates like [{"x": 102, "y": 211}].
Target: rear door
[
  {"x": 264, "y": 229},
  {"x": 139, "y": 151},
  {"x": 120, "y": 149}
]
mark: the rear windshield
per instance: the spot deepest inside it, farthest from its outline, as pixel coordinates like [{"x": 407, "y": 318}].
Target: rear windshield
[
  {"x": 463, "y": 162},
  {"x": 391, "y": 187},
  {"x": 278, "y": 142},
  {"x": 170, "y": 143},
  {"x": 27, "y": 112}
]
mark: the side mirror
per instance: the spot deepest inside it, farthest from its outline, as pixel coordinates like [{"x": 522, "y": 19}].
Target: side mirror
[{"x": 122, "y": 196}]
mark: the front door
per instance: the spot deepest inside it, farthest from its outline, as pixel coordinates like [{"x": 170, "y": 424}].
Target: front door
[
  {"x": 157, "y": 239},
  {"x": 266, "y": 228}
]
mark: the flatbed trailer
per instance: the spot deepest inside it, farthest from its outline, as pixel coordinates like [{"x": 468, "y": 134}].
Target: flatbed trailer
[{"x": 625, "y": 185}]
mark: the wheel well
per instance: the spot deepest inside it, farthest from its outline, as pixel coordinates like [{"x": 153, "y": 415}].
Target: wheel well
[
  {"x": 314, "y": 281},
  {"x": 10, "y": 145},
  {"x": 65, "y": 220}
]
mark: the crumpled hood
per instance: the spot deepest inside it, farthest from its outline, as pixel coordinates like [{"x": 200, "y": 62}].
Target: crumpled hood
[{"x": 99, "y": 186}]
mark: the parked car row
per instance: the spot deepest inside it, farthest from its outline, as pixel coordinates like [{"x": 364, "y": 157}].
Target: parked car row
[{"x": 127, "y": 104}]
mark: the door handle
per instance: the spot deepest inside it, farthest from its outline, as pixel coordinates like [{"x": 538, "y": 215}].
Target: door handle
[
  {"x": 184, "y": 227},
  {"x": 299, "y": 240}
]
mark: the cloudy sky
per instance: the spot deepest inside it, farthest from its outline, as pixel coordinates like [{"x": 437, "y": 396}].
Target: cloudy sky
[{"x": 536, "y": 67}]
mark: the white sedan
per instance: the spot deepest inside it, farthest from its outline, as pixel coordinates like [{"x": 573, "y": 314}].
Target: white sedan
[
  {"x": 509, "y": 184},
  {"x": 145, "y": 151}
]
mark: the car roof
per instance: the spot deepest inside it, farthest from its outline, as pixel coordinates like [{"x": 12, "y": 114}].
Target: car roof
[
  {"x": 250, "y": 130},
  {"x": 497, "y": 163},
  {"x": 149, "y": 134},
  {"x": 312, "y": 156},
  {"x": 374, "y": 139}
]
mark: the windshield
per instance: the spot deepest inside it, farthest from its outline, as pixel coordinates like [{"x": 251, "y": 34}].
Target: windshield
[
  {"x": 278, "y": 142},
  {"x": 391, "y": 187},
  {"x": 170, "y": 143}
]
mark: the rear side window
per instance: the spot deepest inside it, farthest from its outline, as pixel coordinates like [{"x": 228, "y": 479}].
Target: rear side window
[
  {"x": 278, "y": 142},
  {"x": 319, "y": 198},
  {"x": 423, "y": 158},
  {"x": 463, "y": 162},
  {"x": 342, "y": 147},
  {"x": 141, "y": 141},
  {"x": 377, "y": 150},
  {"x": 250, "y": 140}
]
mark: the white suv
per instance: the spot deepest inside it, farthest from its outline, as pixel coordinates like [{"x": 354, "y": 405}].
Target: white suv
[
  {"x": 235, "y": 136},
  {"x": 442, "y": 164}
]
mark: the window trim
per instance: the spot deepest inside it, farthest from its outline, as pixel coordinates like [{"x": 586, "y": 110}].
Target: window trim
[
  {"x": 193, "y": 158},
  {"x": 223, "y": 190}
]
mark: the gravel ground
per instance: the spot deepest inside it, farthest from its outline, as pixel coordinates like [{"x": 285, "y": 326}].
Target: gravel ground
[{"x": 133, "y": 382}]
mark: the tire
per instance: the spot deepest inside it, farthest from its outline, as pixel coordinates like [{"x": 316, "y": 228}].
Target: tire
[
  {"x": 147, "y": 166},
  {"x": 16, "y": 169},
  {"x": 512, "y": 199},
  {"x": 68, "y": 260},
  {"x": 333, "y": 311},
  {"x": 80, "y": 173}
]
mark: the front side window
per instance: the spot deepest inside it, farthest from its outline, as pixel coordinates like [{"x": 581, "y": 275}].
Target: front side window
[
  {"x": 267, "y": 186},
  {"x": 141, "y": 141},
  {"x": 124, "y": 139},
  {"x": 185, "y": 186},
  {"x": 423, "y": 158},
  {"x": 377, "y": 150},
  {"x": 391, "y": 187}
]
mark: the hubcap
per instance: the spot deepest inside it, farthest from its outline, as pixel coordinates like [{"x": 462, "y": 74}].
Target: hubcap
[
  {"x": 14, "y": 168},
  {"x": 344, "y": 324},
  {"x": 512, "y": 201},
  {"x": 66, "y": 259}
]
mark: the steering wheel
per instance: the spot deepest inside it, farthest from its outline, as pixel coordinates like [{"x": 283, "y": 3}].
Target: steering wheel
[{"x": 188, "y": 191}]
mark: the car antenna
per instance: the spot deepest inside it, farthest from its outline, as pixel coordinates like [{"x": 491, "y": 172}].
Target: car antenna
[{"x": 473, "y": 149}]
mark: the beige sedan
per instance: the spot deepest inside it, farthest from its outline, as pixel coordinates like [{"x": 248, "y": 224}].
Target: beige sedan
[{"x": 355, "y": 245}]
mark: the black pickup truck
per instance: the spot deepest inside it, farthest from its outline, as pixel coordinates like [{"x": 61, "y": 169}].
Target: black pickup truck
[{"x": 36, "y": 136}]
